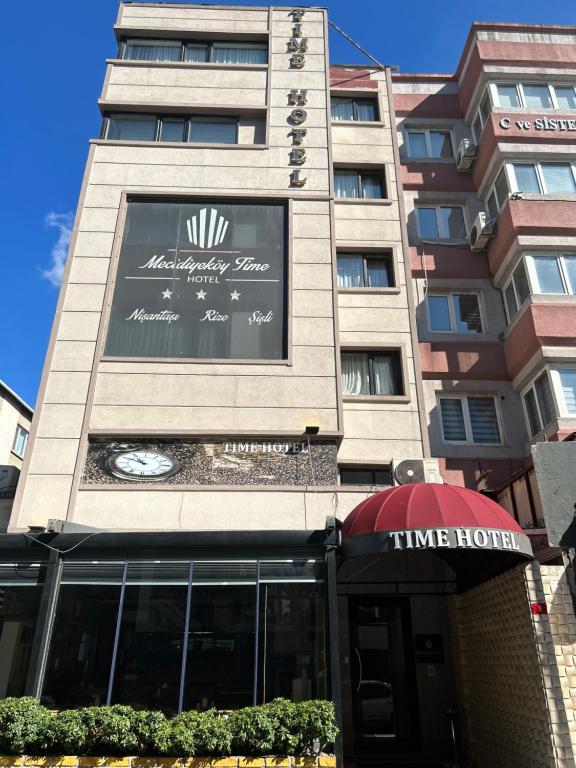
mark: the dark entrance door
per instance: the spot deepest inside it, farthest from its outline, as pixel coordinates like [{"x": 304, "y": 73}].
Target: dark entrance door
[{"x": 383, "y": 683}]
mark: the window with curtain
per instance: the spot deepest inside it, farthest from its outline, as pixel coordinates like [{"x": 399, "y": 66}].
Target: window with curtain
[
  {"x": 198, "y": 52},
  {"x": 441, "y": 222},
  {"x": 213, "y": 130},
  {"x": 20, "y": 440},
  {"x": 429, "y": 144},
  {"x": 358, "y": 184},
  {"x": 371, "y": 373},
  {"x": 553, "y": 273},
  {"x": 469, "y": 419},
  {"x": 539, "y": 404},
  {"x": 568, "y": 384},
  {"x": 131, "y": 127},
  {"x": 357, "y": 270},
  {"x": 353, "y": 109},
  {"x": 202, "y": 129},
  {"x": 516, "y": 291},
  {"x": 544, "y": 178},
  {"x": 454, "y": 313},
  {"x": 152, "y": 50}
]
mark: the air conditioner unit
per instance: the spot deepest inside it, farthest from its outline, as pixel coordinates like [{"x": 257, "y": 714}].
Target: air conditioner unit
[
  {"x": 466, "y": 155},
  {"x": 482, "y": 230},
  {"x": 406, "y": 471}
]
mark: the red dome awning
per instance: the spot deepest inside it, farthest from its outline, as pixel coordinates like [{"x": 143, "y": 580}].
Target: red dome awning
[{"x": 431, "y": 516}]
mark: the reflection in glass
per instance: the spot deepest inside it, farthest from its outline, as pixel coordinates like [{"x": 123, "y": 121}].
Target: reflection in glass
[
  {"x": 452, "y": 223},
  {"x": 507, "y": 95},
  {"x": 548, "y": 274},
  {"x": 537, "y": 96},
  {"x": 565, "y": 96},
  {"x": 417, "y": 144},
  {"x": 526, "y": 178},
  {"x": 427, "y": 223},
  {"x": 467, "y": 313},
  {"x": 172, "y": 129},
  {"x": 151, "y": 635},
  {"x": 568, "y": 383},
  {"x": 221, "y": 637},
  {"x": 291, "y": 635},
  {"x": 136, "y": 127},
  {"x": 20, "y": 589},
  {"x": 439, "y": 313},
  {"x": 440, "y": 144},
  {"x": 78, "y": 667}
]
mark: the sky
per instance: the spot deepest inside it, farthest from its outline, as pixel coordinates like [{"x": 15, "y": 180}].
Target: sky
[{"x": 51, "y": 86}]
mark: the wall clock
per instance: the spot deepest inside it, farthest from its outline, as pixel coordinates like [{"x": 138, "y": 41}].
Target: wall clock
[{"x": 146, "y": 465}]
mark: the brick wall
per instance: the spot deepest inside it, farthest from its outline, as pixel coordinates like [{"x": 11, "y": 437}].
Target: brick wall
[
  {"x": 503, "y": 710},
  {"x": 555, "y": 634}
]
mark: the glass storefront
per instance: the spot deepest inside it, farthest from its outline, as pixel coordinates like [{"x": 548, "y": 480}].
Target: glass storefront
[
  {"x": 187, "y": 635},
  {"x": 20, "y": 589}
]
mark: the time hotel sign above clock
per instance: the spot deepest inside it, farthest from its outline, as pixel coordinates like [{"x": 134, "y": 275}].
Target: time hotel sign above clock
[{"x": 203, "y": 279}]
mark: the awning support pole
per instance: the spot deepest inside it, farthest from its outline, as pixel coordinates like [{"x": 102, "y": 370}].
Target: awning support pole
[{"x": 333, "y": 631}]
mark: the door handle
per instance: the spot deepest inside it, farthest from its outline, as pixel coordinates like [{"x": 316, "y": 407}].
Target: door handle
[{"x": 361, "y": 669}]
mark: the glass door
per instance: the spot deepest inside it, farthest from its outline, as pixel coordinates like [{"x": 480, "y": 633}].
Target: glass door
[{"x": 383, "y": 685}]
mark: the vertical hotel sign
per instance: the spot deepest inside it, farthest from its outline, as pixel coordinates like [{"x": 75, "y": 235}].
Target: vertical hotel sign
[{"x": 297, "y": 98}]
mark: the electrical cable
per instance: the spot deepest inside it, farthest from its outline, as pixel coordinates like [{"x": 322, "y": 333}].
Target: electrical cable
[{"x": 62, "y": 551}]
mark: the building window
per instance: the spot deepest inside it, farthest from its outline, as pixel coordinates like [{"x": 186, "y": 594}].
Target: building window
[
  {"x": 358, "y": 184},
  {"x": 552, "y": 273},
  {"x": 539, "y": 404},
  {"x": 359, "y": 475},
  {"x": 498, "y": 194},
  {"x": 152, "y": 50},
  {"x": 371, "y": 373},
  {"x": 199, "y": 129},
  {"x": 20, "y": 593},
  {"x": 516, "y": 291},
  {"x": 534, "y": 95},
  {"x": 196, "y": 52},
  {"x": 361, "y": 110},
  {"x": 231, "y": 605},
  {"x": 567, "y": 377},
  {"x": 429, "y": 144},
  {"x": 454, "y": 313},
  {"x": 441, "y": 222},
  {"x": 482, "y": 113},
  {"x": 20, "y": 441},
  {"x": 469, "y": 419},
  {"x": 542, "y": 178},
  {"x": 364, "y": 270}
]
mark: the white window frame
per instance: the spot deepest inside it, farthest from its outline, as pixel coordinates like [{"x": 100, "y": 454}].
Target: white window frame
[
  {"x": 537, "y": 164},
  {"x": 478, "y": 113},
  {"x": 555, "y": 401},
  {"x": 533, "y": 274},
  {"x": 452, "y": 311},
  {"x": 522, "y": 104},
  {"x": 19, "y": 429},
  {"x": 512, "y": 281},
  {"x": 492, "y": 190},
  {"x": 427, "y": 132},
  {"x": 466, "y": 416},
  {"x": 437, "y": 207},
  {"x": 558, "y": 391}
]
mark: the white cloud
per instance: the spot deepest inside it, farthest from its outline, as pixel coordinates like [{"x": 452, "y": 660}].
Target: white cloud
[{"x": 63, "y": 223}]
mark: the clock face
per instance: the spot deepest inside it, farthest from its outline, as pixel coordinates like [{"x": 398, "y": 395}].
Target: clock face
[{"x": 147, "y": 465}]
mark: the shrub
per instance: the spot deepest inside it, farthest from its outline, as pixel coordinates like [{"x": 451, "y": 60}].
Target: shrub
[
  {"x": 195, "y": 733},
  {"x": 280, "y": 727},
  {"x": 23, "y": 725},
  {"x": 252, "y": 731}
]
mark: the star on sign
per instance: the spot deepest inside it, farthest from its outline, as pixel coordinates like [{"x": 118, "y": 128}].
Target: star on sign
[
  {"x": 201, "y": 294},
  {"x": 235, "y": 296},
  {"x": 167, "y": 294}
]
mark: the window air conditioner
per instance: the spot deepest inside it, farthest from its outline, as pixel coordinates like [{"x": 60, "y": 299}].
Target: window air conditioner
[
  {"x": 466, "y": 155},
  {"x": 482, "y": 230},
  {"x": 406, "y": 471}
]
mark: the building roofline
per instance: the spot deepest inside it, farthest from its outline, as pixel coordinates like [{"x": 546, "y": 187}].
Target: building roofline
[
  {"x": 5, "y": 389},
  {"x": 217, "y": 6},
  {"x": 504, "y": 26}
]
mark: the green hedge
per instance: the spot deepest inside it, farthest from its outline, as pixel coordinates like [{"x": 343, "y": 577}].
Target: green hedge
[{"x": 281, "y": 727}]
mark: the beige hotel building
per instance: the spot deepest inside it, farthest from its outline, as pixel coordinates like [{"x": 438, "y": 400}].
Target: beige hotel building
[{"x": 282, "y": 444}]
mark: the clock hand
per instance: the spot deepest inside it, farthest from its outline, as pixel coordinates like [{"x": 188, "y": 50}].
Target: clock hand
[{"x": 140, "y": 460}]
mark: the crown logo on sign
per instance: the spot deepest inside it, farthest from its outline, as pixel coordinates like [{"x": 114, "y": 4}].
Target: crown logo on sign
[{"x": 207, "y": 231}]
